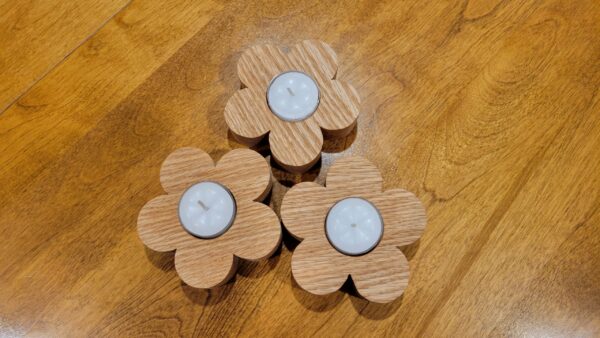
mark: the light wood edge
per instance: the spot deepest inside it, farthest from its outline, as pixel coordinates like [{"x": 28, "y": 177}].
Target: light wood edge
[
  {"x": 190, "y": 277},
  {"x": 297, "y": 169}
]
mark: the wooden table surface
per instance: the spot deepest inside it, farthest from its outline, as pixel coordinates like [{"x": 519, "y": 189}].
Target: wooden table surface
[{"x": 488, "y": 110}]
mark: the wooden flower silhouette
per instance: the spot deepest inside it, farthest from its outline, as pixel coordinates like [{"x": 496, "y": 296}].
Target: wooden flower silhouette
[
  {"x": 381, "y": 274},
  {"x": 295, "y": 141},
  {"x": 253, "y": 233}
]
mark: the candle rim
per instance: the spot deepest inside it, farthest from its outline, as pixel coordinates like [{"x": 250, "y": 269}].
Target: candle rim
[
  {"x": 298, "y": 119},
  {"x": 226, "y": 228},
  {"x": 376, "y": 244}
]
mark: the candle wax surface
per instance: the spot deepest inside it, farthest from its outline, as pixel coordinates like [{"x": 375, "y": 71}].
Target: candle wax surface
[
  {"x": 354, "y": 226},
  {"x": 293, "y": 96},
  {"x": 206, "y": 209}
]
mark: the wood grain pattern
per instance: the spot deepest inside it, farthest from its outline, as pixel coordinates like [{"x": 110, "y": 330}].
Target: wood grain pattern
[
  {"x": 488, "y": 110},
  {"x": 380, "y": 275},
  {"x": 255, "y": 233},
  {"x": 38, "y": 35},
  {"x": 74, "y": 97},
  {"x": 296, "y": 145}
]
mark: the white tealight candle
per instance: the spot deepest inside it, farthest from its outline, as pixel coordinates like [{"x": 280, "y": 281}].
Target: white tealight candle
[
  {"x": 293, "y": 96},
  {"x": 354, "y": 226},
  {"x": 206, "y": 209}
]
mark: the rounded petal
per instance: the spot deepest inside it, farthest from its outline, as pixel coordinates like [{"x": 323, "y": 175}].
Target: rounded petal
[
  {"x": 248, "y": 116},
  {"x": 183, "y": 167},
  {"x": 355, "y": 176},
  {"x": 296, "y": 145},
  {"x": 381, "y": 275},
  {"x": 318, "y": 268},
  {"x": 304, "y": 208},
  {"x": 315, "y": 58},
  {"x": 403, "y": 216},
  {"x": 338, "y": 108},
  {"x": 201, "y": 266},
  {"x": 256, "y": 232},
  {"x": 246, "y": 173},
  {"x": 259, "y": 64},
  {"x": 158, "y": 224}
]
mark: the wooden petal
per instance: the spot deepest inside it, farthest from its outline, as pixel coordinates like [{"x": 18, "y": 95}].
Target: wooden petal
[
  {"x": 296, "y": 145},
  {"x": 202, "y": 267},
  {"x": 318, "y": 268},
  {"x": 338, "y": 108},
  {"x": 158, "y": 224},
  {"x": 184, "y": 167},
  {"x": 381, "y": 275},
  {"x": 403, "y": 216},
  {"x": 304, "y": 209},
  {"x": 256, "y": 232},
  {"x": 248, "y": 115},
  {"x": 259, "y": 64},
  {"x": 315, "y": 58},
  {"x": 355, "y": 176},
  {"x": 246, "y": 173}
]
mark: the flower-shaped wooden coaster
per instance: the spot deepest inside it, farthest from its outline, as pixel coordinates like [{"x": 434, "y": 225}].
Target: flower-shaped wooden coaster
[
  {"x": 292, "y": 96},
  {"x": 352, "y": 228},
  {"x": 210, "y": 214}
]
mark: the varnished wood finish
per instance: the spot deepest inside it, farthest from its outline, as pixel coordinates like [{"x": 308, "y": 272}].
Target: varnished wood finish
[
  {"x": 295, "y": 145},
  {"x": 38, "y": 35},
  {"x": 380, "y": 275},
  {"x": 255, "y": 233},
  {"x": 488, "y": 110}
]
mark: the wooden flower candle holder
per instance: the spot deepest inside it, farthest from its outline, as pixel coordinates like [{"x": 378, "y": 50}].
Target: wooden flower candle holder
[
  {"x": 191, "y": 180},
  {"x": 380, "y": 271},
  {"x": 294, "y": 98}
]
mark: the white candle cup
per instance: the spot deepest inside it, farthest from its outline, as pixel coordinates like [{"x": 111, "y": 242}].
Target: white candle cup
[
  {"x": 293, "y": 96},
  {"x": 207, "y": 209},
  {"x": 354, "y": 226}
]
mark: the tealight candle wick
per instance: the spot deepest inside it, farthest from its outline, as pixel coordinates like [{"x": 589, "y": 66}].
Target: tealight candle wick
[
  {"x": 290, "y": 91},
  {"x": 203, "y": 206}
]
